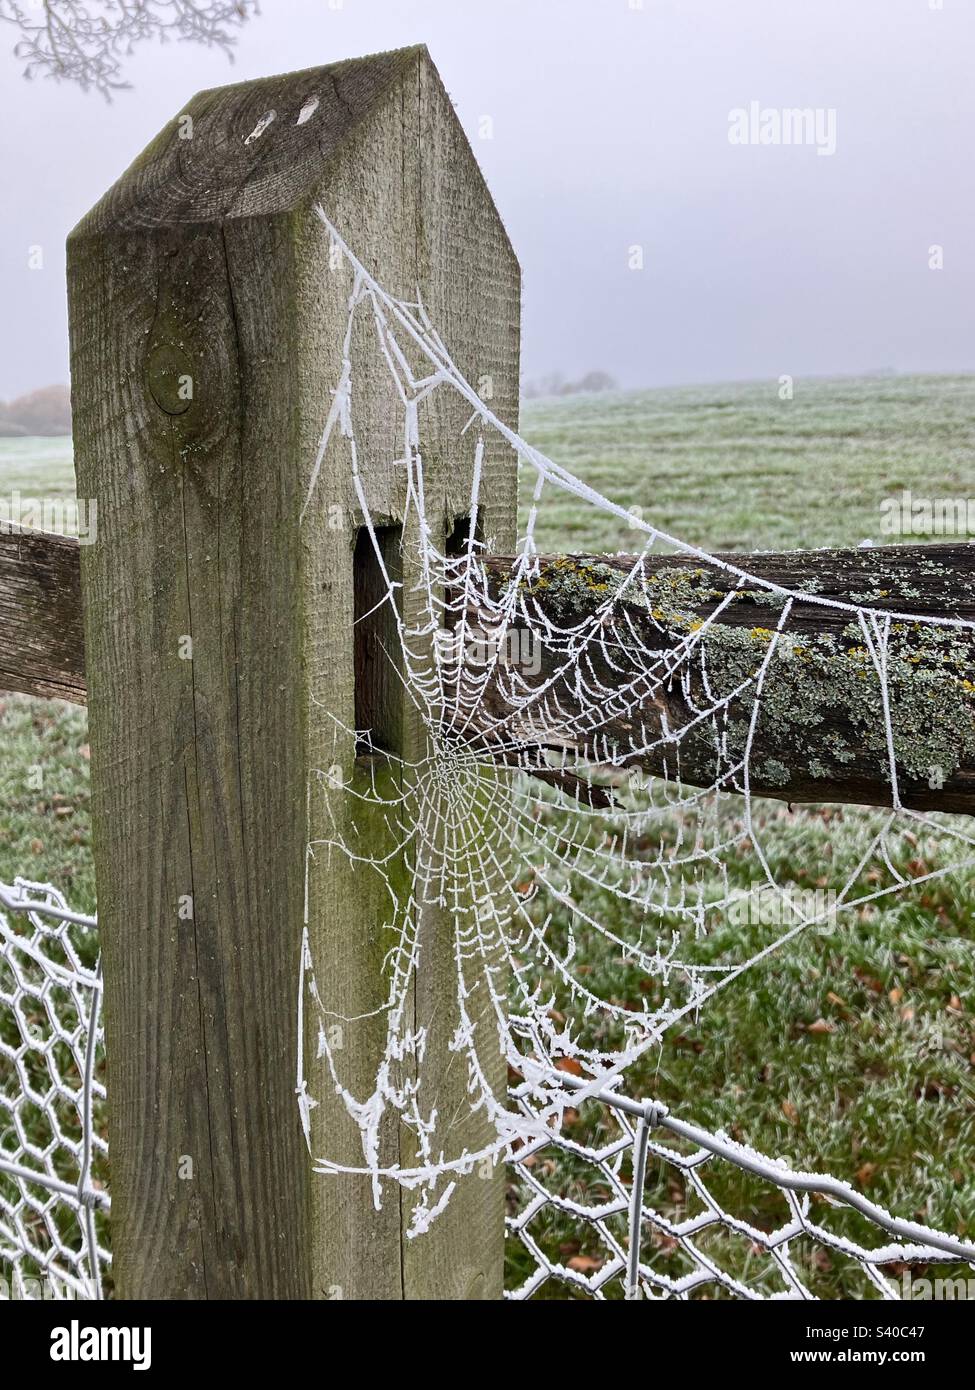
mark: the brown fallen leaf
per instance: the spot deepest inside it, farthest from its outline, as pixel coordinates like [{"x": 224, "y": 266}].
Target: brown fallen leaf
[
  {"x": 868, "y": 981},
  {"x": 820, "y": 1026},
  {"x": 570, "y": 1065},
  {"x": 790, "y": 1111},
  {"x": 585, "y": 1264}
]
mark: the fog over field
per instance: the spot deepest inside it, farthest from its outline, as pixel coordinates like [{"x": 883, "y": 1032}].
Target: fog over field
[{"x": 663, "y": 238}]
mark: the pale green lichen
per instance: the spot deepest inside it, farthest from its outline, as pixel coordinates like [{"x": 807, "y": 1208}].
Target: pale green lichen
[
  {"x": 821, "y": 696},
  {"x": 819, "y": 679},
  {"x": 567, "y": 587},
  {"x": 773, "y": 773}
]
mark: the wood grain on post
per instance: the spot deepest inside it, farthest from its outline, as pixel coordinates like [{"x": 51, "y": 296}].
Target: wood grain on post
[{"x": 206, "y": 333}]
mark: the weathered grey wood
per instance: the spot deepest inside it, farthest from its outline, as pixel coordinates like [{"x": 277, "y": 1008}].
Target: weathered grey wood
[
  {"x": 439, "y": 232},
  {"x": 42, "y": 645},
  {"x": 206, "y": 263},
  {"x": 471, "y": 288}
]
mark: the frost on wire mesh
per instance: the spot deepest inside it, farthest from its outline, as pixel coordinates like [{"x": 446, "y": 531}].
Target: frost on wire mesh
[
  {"x": 641, "y": 1199},
  {"x": 563, "y": 816},
  {"x": 53, "y": 1200}
]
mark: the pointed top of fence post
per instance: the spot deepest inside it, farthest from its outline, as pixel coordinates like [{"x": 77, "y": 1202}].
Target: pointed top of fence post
[{"x": 251, "y": 149}]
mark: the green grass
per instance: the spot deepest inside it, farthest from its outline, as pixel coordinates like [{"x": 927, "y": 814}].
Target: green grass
[
  {"x": 884, "y": 1096},
  {"x": 735, "y": 468},
  {"x": 45, "y": 833},
  {"x": 44, "y": 826},
  {"x": 851, "y": 1052},
  {"x": 36, "y": 467}
]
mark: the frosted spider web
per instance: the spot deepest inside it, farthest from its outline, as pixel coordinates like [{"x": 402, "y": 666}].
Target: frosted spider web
[{"x": 594, "y": 730}]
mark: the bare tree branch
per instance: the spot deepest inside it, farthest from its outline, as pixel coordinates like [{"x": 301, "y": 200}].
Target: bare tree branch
[{"x": 87, "y": 41}]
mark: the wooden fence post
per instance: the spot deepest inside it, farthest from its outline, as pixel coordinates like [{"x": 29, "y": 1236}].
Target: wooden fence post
[{"x": 206, "y": 332}]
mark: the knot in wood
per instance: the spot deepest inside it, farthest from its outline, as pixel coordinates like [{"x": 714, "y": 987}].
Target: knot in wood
[{"x": 169, "y": 376}]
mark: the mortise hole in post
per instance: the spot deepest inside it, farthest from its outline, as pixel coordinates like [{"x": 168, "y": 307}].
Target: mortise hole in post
[
  {"x": 460, "y": 535},
  {"x": 376, "y": 646}
]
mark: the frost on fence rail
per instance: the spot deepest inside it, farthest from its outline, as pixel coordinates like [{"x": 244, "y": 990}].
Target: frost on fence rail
[
  {"x": 52, "y": 1146},
  {"x": 659, "y": 1208},
  {"x": 567, "y": 822}
]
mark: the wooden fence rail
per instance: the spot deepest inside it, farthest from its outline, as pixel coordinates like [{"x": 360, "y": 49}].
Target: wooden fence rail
[
  {"x": 820, "y": 733},
  {"x": 43, "y": 654},
  {"x": 42, "y": 640}
]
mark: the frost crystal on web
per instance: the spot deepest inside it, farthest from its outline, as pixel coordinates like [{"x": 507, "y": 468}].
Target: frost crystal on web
[{"x": 594, "y": 731}]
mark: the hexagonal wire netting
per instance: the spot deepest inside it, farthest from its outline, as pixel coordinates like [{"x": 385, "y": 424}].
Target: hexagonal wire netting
[
  {"x": 53, "y": 1198},
  {"x": 655, "y": 1207}
]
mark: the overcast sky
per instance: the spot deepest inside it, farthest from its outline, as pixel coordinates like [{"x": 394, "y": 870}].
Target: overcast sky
[{"x": 610, "y": 130}]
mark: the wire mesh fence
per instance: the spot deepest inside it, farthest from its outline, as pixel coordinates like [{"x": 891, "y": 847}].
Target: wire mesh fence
[
  {"x": 650, "y": 1206},
  {"x": 53, "y": 1196},
  {"x": 623, "y": 1200}
]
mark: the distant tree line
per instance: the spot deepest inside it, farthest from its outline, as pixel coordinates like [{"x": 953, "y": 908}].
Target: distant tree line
[
  {"x": 47, "y": 411},
  {"x": 555, "y": 384}
]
